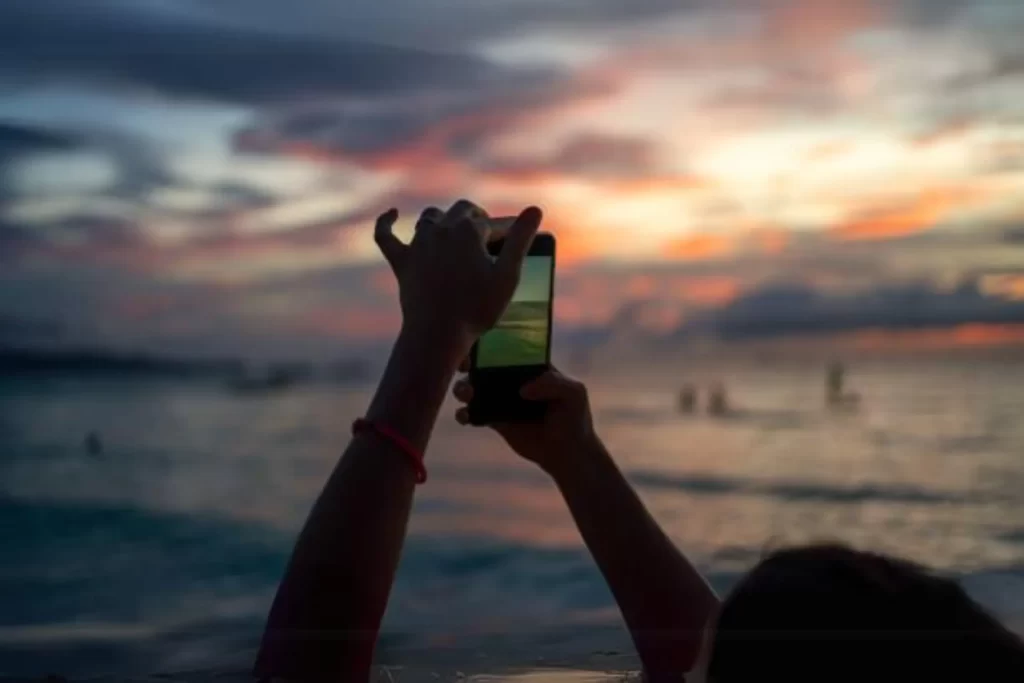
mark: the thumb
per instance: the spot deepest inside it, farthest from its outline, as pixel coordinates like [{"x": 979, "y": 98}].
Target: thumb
[
  {"x": 517, "y": 242},
  {"x": 392, "y": 247},
  {"x": 552, "y": 386}
]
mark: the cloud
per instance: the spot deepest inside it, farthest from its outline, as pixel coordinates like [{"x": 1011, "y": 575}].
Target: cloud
[
  {"x": 928, "y": 13},
  {"x": 399, "y": 133},
  {"x": 117, "y": 289},
  {"x": 799, "y": 310},
  {"x": 953, "y": 129},
  {"x": 18, "y": 139},
  {"x": 100, "y": 305},
  {"x": 88, "y": 237},
  {"x": 17, "y": 242},
  {"x": 1002, "y": 65},
  {"x": 922, "y": 212},
  {"x": 141, "y": 166},
  {"x": 214, "y": 245},
  {"x": 587, "y": 155},
  {"x": 392, "y": 104},
  {"x": 701, "y": 247},
  {"x": 187, "y": 56},
  {"x": 453, "y": 24}
]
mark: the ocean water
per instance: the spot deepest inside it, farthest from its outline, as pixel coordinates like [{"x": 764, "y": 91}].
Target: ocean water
[{"x": 161, "y": 554}]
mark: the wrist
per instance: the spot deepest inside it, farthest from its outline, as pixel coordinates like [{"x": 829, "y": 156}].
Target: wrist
[
  {"x": 415, "y": 382},
  {"x": 570, "y": 460},
  {"x": 442, "y": 344}
]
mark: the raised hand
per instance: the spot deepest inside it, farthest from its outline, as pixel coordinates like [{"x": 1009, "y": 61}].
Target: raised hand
[
  {"x": 448, "y": 285},
  {"x": 664, "y": 599},
  {"x": 565, "y": 434}
]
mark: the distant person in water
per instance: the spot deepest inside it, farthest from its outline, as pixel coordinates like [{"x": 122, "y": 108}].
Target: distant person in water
[
  {"x": 687, "y": 399},
  {"x": 821, "y": 614},
  {"x": 93, "y": 444},
  {"x": 834, "y": 381},
  {"x": 835, "y": 395},
  {"x": 718, "y": 404}
]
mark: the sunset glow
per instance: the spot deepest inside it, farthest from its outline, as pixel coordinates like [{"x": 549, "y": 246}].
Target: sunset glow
[{"x": 689, "y": 158}]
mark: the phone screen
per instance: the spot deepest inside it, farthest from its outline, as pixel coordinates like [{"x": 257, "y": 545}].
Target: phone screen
[{"x": 523, "y": 333}]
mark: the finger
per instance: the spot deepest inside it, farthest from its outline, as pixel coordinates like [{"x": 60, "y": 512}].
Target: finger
[
  {"x": 392, "y": 247},
  {"x": 462, "y": 415},
  {"x": 461, "y": 211},
  {"x": 471, "y": 231},
  {"x": 552, "y": 386},
  {"x": 518, "y": 240},
  {"x": 500, "y": 226},
  {"x": 430, "y": 216},
  {"x": 463, "y": 391},
  {"x": 464, "y": 365},
  {"x": 483, "y": 231}
]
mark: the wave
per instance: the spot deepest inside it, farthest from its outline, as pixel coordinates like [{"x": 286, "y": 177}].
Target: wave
[
  {"x": 767, "y": 419},
  {"x": 797, "y": 491},
  {"x": 98, "y": 588},
  {"x": 121, "y": 591}
]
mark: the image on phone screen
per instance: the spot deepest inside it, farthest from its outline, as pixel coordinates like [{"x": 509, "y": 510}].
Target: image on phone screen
[{"x": 522, "y": 334}]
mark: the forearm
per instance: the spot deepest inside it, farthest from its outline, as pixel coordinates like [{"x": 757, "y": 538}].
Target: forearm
[
  {"x": 325, "y": 618},
  {"x": 415, "y": 382},
  {"x": 663, "y": 598}
]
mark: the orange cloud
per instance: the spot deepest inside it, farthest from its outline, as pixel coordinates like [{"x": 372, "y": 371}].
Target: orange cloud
[
  {"x": 702, "y": 247},
  {"x": 812, "y": 23},
  {"x": 712, "y": 290},
  {"x": 659, "y": 317},
  {"x": 918, "y": 215},
  {"x": 642, "y": 286},
  {"x": 772, "y": 241},
  {"x": 1007, "y": 286},
  {"x": 575, "y": 242},
  {"x": 432, "y": 148}
]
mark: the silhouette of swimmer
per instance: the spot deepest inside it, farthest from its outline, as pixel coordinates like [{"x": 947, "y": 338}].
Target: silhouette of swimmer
[
  {"x": 717, "y": 403},
  {"x": 687, "y": 399},
  {"x": 93, "y": 444},
  {"x": 834, "y": 394},
  {"x": 834, "y": 380}
]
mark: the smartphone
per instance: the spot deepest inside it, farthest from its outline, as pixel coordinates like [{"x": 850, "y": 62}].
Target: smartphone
[{"x": 518, "y": 348}]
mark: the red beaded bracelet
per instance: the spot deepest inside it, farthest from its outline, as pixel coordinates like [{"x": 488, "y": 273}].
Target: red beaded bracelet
[{"x": 363, "y": 425}]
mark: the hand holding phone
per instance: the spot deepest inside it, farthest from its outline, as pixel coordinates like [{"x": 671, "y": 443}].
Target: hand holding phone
[
  {"x": 556, "y": 442},
  {"x": 449, "y": 289},
  {"x": 518, "y": 348}
]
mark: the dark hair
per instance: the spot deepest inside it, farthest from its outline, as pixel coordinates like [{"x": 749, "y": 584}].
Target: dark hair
[{"x": 830, "y": 613}]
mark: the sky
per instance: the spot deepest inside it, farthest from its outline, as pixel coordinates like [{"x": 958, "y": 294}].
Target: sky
[{"x": 200, "y": 177}]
